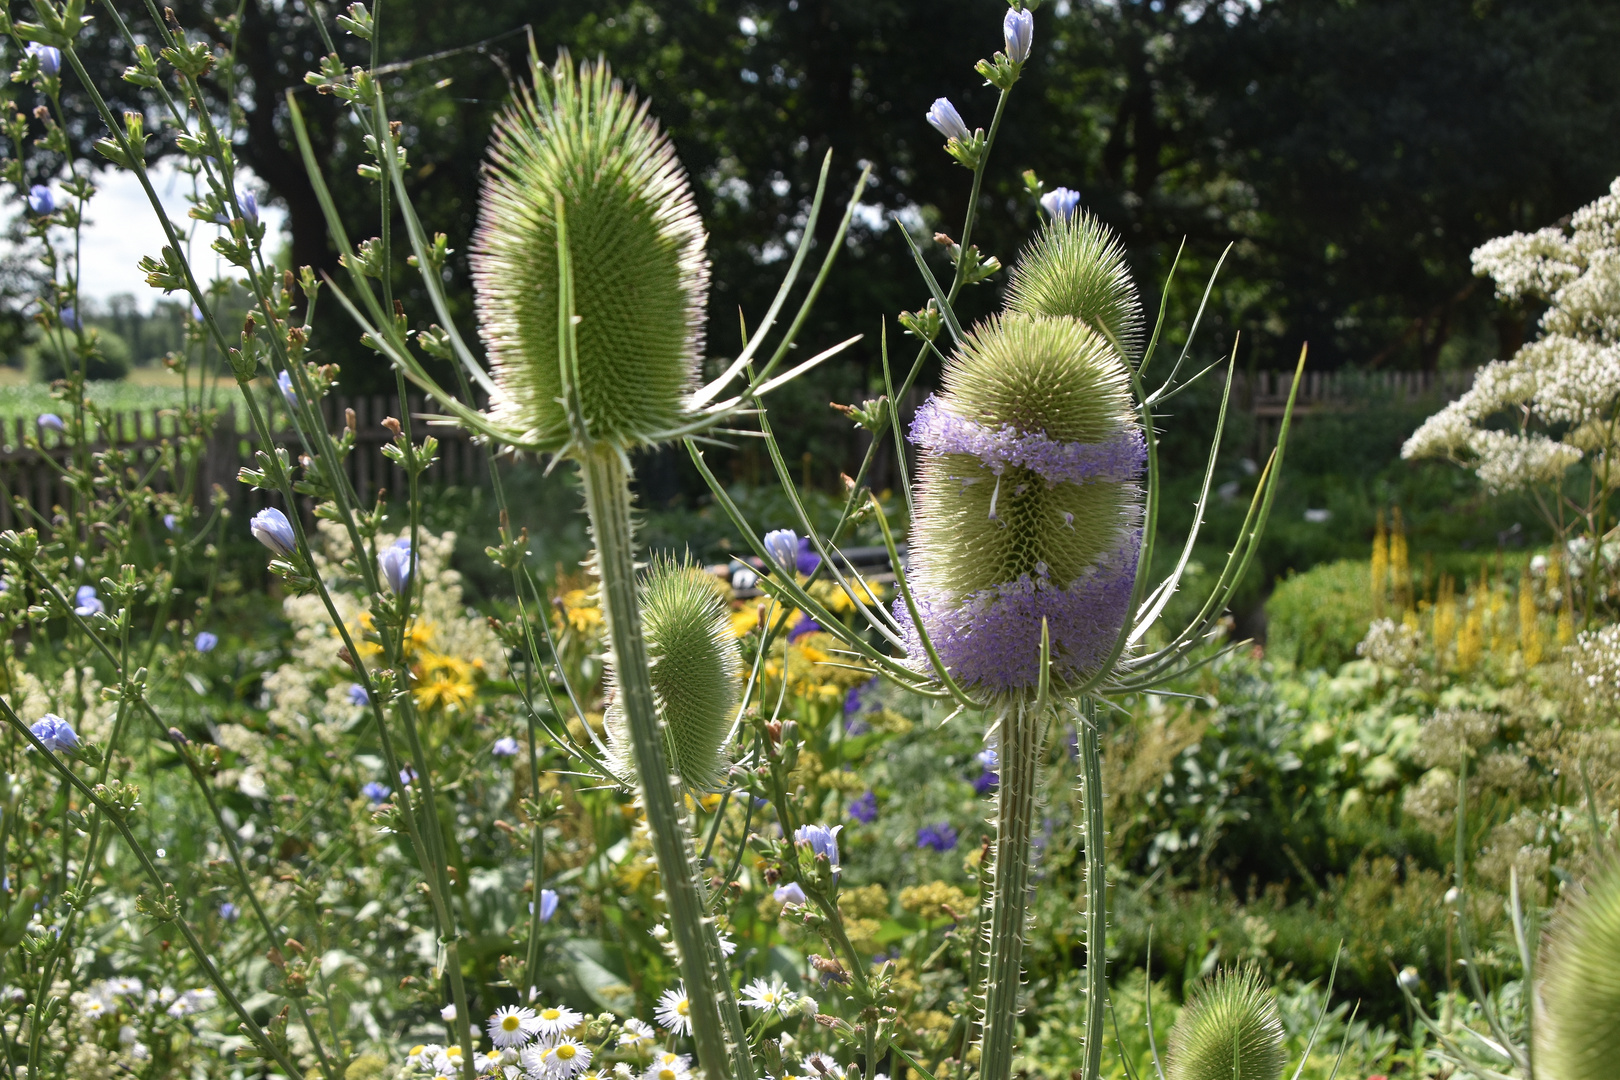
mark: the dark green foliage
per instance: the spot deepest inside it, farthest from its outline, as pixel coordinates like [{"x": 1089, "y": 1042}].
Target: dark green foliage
[{"x": 1316, "y": 619}]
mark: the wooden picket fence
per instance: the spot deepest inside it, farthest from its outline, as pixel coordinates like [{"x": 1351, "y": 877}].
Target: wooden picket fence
[{"x": 34, "y": 478}]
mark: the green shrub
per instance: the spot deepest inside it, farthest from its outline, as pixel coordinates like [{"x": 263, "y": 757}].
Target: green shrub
[{"x": 1316, "y": 619}]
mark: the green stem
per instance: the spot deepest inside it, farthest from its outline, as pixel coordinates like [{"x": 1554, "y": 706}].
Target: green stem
[
  {"x": 717, "y": 1026},
  {"x": 1096, "y": 916},
  {"x": 1018, "y": 748}
]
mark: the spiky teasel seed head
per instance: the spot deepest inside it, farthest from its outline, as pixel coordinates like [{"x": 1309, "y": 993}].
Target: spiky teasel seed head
[
  {"x": 1076, "y": 267},
  {"x": 1578, "y": 1027},
  {"x": 636, "y": 245},
  {"x": 695, "y": 668},
  {"x": 1229, "y": 1028},
  {"x": 1027, "y": 502}
]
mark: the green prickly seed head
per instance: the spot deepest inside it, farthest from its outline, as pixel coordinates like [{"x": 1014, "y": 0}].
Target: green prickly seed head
[
  {"x": 696, "y": 671},
  {"x": 1228, "y": 1030},
  {"x": 1076, "y": 267},
  {"x": 636, "y": 246},
  {"x": 1578, "y": 1028}
]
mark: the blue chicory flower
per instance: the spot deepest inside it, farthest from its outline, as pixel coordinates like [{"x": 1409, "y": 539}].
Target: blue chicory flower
[
  {"x": 986, "y": 781},
  {"x": 988, "y": 758},
  {"x": 70, "y": 317},
  {"x": 946, "y": 120},
  {"x": 49, "y": 57},
  {"x": 358, "y": 695},
  {"x": 288, "y": 393},
  {"x": 228, "y": 911},
  {"x": 396, "y": 564},
  {"x": 376, "y": 792},
  {"x": 407, "y": 776},
  {"x": 250, "y": 207},
  {"x": 822, "y": 841},
  {"x": 40, "y": 200},
  {"x": 206, "y": 641},
  {"x": 272, "y": 529},
  {"x": 548, "y": 904},
  {"x": 790, "y": 894},
  {"x": 1018, "y": 28},
  {"x": 783, "y": 547},
  {"x": 87, "y": 603},
  {"x": 864, "y": 809},
  {"x": 51, "y": 422},
  {"x": 1060, "y": 202},
  {"x": 170, "y": 522},
  {"x": 56, "y": 733},
  {"x": 941, "y": 837},
  {"x": 506, "y": 746}
]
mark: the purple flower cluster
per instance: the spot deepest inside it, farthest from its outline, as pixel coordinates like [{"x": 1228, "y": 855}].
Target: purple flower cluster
[
  {"x": 993, "y": 637},
  {"x": 864, "y": 809},
  {"x": 941, "y": 837},
  {"x": 1120, "y": 458}
]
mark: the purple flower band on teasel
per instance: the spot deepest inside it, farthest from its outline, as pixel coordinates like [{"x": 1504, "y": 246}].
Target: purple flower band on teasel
[
  {"x": 993, "y": 638},
  {"x": 1119, "y": 458}
]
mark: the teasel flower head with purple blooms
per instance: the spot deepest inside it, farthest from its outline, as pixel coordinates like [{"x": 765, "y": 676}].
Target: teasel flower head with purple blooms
[{"x": 1028, "y": 507}]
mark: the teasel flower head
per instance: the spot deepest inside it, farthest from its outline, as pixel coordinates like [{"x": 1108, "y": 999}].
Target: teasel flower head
[
  {"x": 696, "y": 672},
  {"x": 1028, "y": 506},
  {"x": 1076, "y": 267},
  {"x": 1578, "y": 996},
  {"x": 581, "y": 142},
  {"x": 1229, "y": 1027}
]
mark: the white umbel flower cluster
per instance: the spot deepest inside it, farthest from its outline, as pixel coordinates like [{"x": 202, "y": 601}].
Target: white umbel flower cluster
[{"x": 1561, "y": 389}]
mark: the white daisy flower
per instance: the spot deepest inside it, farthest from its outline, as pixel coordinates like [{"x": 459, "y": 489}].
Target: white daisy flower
[
  {"x": 94, "y": 1009},
  {"x": 567, "y": 1058},
  {"x": 622, "y": 1070},
  {"x": 819, "y": 1064},
  {"x": 423, "y": 1056},
  {"x": 124, "y": 984},
  {"x": 636, "y": 1032},
  {"x": 768, "y": 996},
  {"x": 512, "y": 1025},
  {"x": 669, "y": 1067},
  {"x": 674, "y": 1012},
  {"x": 728, "y": 947},
  {"x": 555, "y": 1021}
]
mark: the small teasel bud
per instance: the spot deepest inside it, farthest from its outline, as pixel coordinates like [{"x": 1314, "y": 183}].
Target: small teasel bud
[
  {"x": 636, "y": 246},
  {"x": 1578, "y": 1021},
  {"x": 695, "y": 667},
  {"x": 1027, "y": 503},
  {"x": 1229, "y": 1028},
  {"x": 1076, "y": 267}
]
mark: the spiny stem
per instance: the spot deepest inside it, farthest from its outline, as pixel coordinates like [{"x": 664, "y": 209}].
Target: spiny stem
[
  {"x": 1096, "y": 920},
  {"x": 1018, "y": 749},
  {"x": 717, "y": 1026}
]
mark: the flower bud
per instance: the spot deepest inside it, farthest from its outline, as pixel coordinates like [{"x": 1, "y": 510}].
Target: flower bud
[
  {"x": 695, "y": 672},
  {"x": 1060, "y": 202},
  {"x": 946, "y": 120},
  {"x": 1229, "y": 1027},
  {"x": 783, "y": 547},
  {"x": 271, "y": 528},
  {"x": 636, "y": 246},
  {"x": 1578, "y": 1024},
  {"x": 50, "y": 422},
  {"x": 396, "y": 563},
  {"x": 49, "y": 57},
  {"x": 1018, "y": 28},
  {"x": 1027, "y": 503}
]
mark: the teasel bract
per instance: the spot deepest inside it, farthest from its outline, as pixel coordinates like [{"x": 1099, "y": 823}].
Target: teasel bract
[
  {"x": 1577, "y": 1028},
  {"x": 1229, "y": 1029}
]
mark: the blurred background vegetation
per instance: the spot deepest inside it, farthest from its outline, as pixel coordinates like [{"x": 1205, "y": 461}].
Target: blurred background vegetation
[{"x": 1352, "y": 153}]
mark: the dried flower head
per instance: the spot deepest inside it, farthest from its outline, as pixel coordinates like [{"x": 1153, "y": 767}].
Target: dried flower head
[{"x": 636, "y": 246}]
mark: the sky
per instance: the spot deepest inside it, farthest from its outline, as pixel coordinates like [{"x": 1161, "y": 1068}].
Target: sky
[{"x": 122, "y": 227}]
